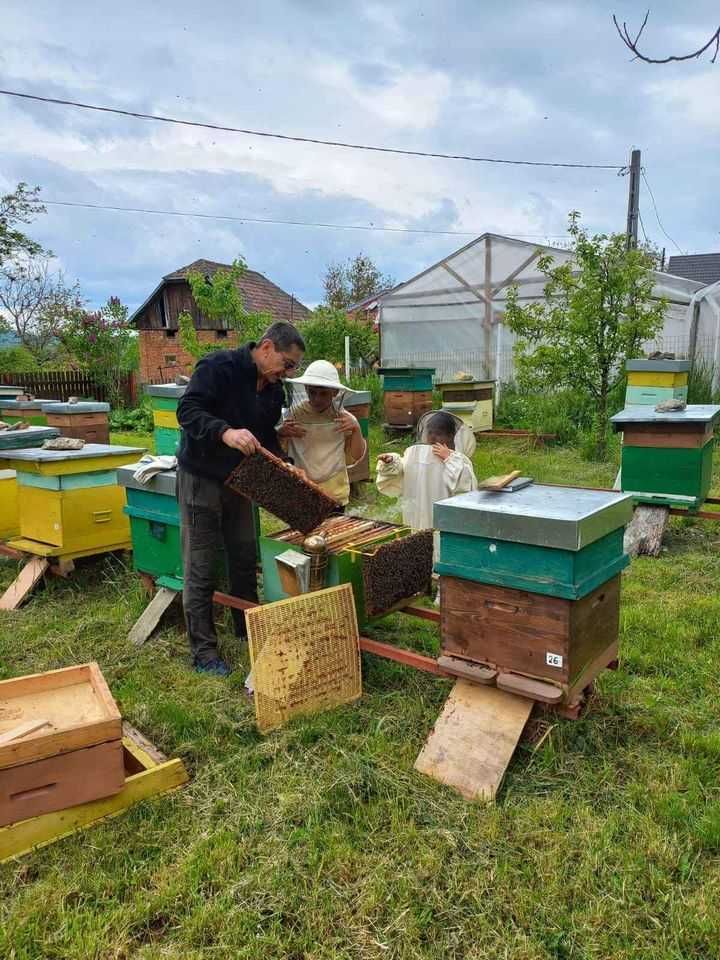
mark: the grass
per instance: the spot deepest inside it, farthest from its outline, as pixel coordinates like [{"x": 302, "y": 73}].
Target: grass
[{"x": 319, "y": 841}]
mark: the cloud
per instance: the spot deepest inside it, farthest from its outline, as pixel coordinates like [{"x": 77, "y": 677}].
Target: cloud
[{"x": 692, "y": 98}]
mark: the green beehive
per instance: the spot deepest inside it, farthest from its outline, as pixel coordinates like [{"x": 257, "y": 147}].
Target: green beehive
[
  {"x": 164, "y": 399},
  {"x": 407, "y": 379},
  {"x": 154, "y": 525},
  {"x": 558, "y": 541}
]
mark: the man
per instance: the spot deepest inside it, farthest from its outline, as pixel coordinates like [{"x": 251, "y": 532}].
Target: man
[{"x": 230, "y": 408}]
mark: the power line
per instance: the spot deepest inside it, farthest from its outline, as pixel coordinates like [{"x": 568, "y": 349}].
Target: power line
[
  {"x": 642, "y": 226},
  {"x": 296, "y": 139},
  {"x": 292, "y": 223},
  {"x": 657, "y": 215}
]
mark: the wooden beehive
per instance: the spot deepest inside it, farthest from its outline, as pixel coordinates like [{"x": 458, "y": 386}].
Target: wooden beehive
[
  {"x": 651, "y": 381},
  {"x": 70, "y": 504},
  {"x": 31, "y": 411},
  {"x": 74, "y": 757},
  {"x": 407, "y": 394},
  {"x": 164, "y": 399},
  {"x": 667, "y": 456},
  {"x": 84, "y": 420}
]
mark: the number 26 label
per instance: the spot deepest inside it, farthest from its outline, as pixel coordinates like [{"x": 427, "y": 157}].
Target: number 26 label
[{"x": 553, "y": 659}]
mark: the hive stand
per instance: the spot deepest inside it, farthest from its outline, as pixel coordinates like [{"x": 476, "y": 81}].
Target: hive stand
[{"x": 148, "y": 773}]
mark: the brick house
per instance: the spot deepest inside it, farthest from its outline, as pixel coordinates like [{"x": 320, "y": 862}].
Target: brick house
[{"x": 161, "y": 356}]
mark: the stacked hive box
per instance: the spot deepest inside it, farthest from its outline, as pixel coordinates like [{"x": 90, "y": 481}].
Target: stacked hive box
[
  {"x": 359, "y": 405},
  {"x": 471, "y": 400},
  {"x": 349, "y": 538},
  {"x": 407, "y": 394},
  {"x": 667, "y": 457},
  {"x": 530, "y": 581},
  {"x": 70, "y": 504},
  {"x": 84, "y": 420},
  {"x": 31, "y": 411},
  {"x": 8, "y": 392},
  {"x": 154, "y": 525},
  {"x": 63, "y": 742},
  {"x": 164, "y": 399},
  {"x": 16, "y": 440},
  {"x": 651, "y": 381}
]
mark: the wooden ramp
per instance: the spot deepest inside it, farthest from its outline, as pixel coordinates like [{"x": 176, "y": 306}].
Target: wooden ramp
[
  {"x": 151, "y": 616},
  {"x": 474, "y": 738},
  {"x": 24, "y": 584}
]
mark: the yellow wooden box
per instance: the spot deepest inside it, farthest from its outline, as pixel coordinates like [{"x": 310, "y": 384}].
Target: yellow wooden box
[
  {"x": 9, "y": 520},
  {"x": 476, "y": 414},
  {"x": 166, "y": 418},
  {"x": 656, "y": 378},
  {"x": 88, "y": 519}
]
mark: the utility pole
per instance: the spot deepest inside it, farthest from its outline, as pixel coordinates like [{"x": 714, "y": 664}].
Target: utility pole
[{"x": 633, "y": 201}]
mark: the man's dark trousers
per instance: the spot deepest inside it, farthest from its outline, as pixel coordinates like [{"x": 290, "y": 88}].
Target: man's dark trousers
[{"x": 211, "y": 516}]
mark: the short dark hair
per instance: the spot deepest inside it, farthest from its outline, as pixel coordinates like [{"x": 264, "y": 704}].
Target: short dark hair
[
  {"x": 444, "y": 423},
  {"x": 283, "y": 335}
]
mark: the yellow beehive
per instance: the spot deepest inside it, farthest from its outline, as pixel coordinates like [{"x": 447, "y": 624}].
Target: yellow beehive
[
  {"x": 9, "y": 521},
  {"x": 656, "y": 378}
]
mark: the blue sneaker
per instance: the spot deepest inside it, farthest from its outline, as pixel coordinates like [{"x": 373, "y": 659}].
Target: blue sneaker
[{"x": 216, "y": 667}]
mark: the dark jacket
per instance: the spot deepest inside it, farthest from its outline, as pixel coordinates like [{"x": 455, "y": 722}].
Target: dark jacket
[{"x": 222, "y": 393}]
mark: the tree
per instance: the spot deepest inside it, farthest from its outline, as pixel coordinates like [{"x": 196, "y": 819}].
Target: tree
[
  {"x": 352, "y": 281},
  {"x": 632, "y": 42},
  {"x": 36, "y": 302},
  {"x": 597, "y": 312},
  {"x": 20, "y": 206},
  {"x": 324, "y": 335},
  {"x": 100, "y": 341},
  {"x": 218, "y": 298}
]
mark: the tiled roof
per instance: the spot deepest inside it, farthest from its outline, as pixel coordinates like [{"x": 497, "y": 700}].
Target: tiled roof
[
  {"x": 258, "y": 293},
  {"x": 703, "y": 267}
]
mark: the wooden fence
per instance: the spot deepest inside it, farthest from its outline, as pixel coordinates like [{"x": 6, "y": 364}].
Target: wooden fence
[{"x": 61, "y": 384}]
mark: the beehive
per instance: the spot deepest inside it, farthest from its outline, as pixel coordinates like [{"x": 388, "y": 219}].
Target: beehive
[
  {"x": 31, "y": 411},
  {"x": 407, "y": 394},
  {"x": 530, "y": 579},
  {"x": 164, "y": 399},
  {"x": 359, "y": 405},
  {"x": 667, "y": 456},
  {"x": 471, "y": 400},
  {"x": 649, "y": 382},
  {"x": 74, "y": 755},
  {"x": 70, "y": 504},
  {"x": 8, "y": 392},
  {"x": 16, "y": 440},
  {"x": 84, "y": 420},
  {"x": 349, "y": 540}
]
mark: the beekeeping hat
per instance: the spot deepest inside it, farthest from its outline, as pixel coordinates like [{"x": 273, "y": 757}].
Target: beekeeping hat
[
  {"x": 321, "y": 373},
  {"x": 464, "y": 436}
]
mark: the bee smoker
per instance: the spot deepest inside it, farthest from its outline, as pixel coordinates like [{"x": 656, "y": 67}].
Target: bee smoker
[{"x": 316, "y": 547}]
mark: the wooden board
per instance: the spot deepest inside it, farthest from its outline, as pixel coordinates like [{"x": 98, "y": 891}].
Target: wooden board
[
  {"x": 474, "y": 738},
  {"x": 75, "y": 701},
  {"x": 144, "y": 777},
  {"x": 641, "y": 437},
  {"x": 66, "y": 780},
  {"x": 151, "y": 616},
  {"x": 24, "y": 584}
]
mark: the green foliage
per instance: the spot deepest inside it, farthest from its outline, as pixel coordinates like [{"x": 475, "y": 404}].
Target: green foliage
[
  {"x": 700, "y": 382},
  {"x": 352, "y": 281},
  {"x": 20, "y": 206},
  {"x": 138, "y": 419},
  {"x": 100, "y": 342},
  {"x": 597, "y": 312},
  {"x": 219, "y": 299},
  {"x": 373, "y": 384},
  {"x": 324, "y": 335},
  {"x": 17, "y": 360}
]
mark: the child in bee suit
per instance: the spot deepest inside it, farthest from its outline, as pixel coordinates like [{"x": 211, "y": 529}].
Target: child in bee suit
[
  {"x": 438, "y": 466},
  {"x": 320, "y": 436}
]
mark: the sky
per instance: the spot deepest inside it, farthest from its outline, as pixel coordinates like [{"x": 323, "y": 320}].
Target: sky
[{"x": 531, "y": 80}]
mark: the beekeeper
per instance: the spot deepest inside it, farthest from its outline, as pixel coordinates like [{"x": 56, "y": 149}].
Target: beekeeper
[
  {"x": 438, "y": 466},
  {"x": 320, "y": 437}
]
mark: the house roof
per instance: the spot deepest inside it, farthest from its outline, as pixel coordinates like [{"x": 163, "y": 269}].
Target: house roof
[
  {"x": 703, "y": 267},
  {"x": 369, "y": 303},
  {"x": 258, "y": 293}
]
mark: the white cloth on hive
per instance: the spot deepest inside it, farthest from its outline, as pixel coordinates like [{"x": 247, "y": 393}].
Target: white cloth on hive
[{"x": 151, "y": 466}]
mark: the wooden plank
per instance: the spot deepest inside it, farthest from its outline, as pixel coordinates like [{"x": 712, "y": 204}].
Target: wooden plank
[
  {"x": 474, "y": 738},
  {"x": 644, "y": 533},
  {"x": 151, "y": 616},
  {"x": 467, "y": 670},
  {"x": 527, "y": 687},
  {"x": 21, "y": 838},
  {"x": 25, "y": 582},
  {"x": 22, "y": 730}
]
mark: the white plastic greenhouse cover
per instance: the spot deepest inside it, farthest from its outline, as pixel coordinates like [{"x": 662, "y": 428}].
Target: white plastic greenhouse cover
[{"x": 450, "y": 315}]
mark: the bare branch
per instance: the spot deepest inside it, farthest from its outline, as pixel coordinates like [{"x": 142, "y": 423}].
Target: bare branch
[{"x": 631, "y": 44}]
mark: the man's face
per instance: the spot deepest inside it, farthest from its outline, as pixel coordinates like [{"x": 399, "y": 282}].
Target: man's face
[{"x": 276, "y": 364}]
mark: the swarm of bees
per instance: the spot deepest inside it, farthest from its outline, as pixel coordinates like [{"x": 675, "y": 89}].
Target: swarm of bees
[{"x": 397, "y": 571}]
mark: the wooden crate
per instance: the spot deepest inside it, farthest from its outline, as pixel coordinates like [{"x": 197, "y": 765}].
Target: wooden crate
[
  {"x": 74, "y": 758},
  {"x": 90, "y": 427},
  {"x": 533, "y": 635}
]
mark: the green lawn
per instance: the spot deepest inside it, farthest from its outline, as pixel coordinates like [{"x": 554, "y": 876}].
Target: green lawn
[{"x": 321, "y": 842}]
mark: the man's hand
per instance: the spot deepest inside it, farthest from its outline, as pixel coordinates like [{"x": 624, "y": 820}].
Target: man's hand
[
  {"x": 346, "y": 423},
  {"x": 441, "y": 451},
  {"x": 290, "y": 428},
  {"x": 241, "y": 440},
  {"x": 386, "y": 458}
]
